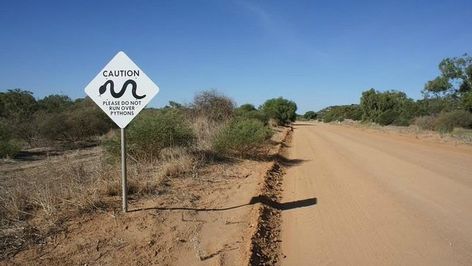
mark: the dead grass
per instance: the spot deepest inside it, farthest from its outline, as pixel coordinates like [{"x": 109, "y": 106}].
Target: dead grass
[
  {"x": 205, "y": 130},
  {"x": 41, "y": 198}
]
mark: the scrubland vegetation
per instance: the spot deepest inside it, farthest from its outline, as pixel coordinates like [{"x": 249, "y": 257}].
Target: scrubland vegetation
[
  {"x": 174, "y": 141},
  {"x": 447, "y": 102}
]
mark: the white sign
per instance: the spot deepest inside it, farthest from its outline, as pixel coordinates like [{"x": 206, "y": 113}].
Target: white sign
[{"x": 121, "y": 89}]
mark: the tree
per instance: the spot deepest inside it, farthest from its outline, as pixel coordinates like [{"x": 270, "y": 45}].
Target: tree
[
  {"x": 55, "y": 103},
  {"x": 18, "y": 107},
  {"x": 246, "y": 107},
  {"x": 389, "y": 107},
  {"x": 213, "y": 105},
  {"x": 17, "y": 104},
  {"x": 310, "y": 115},
  {"x": 283, "y": 111},
  {"x": 455, "y": 77}
]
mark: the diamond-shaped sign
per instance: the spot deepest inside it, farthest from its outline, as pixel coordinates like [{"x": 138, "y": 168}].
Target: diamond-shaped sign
[{"x": 121, "y": 89}]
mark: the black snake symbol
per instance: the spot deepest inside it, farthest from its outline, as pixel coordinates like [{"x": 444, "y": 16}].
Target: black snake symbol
[{"x": 134, "y": 86}]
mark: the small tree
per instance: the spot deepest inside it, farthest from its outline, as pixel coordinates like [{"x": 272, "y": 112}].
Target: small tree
[
  {"x": 213, "y": 105},
  {"x": 455, "y": 77},
  {"x": 55, "y": 103},
  {"x": 310, "y": 115},
  {"x": 389, "y": 107},
  {"x": 280, "y": 109}
]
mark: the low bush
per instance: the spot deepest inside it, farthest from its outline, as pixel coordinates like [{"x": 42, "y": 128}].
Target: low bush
[
  {"x": 153, "y": 131},
  {"x": 283, "y": 111},
  {"x": 310, "y": 115},
  {"x": 8, "y": 147},
  {"x": 425, "y": 122},
  {"x": 213, "y": 105},
  {"x": 242, "y": 137},
  {"x": 248, "y": 111},
  {"x": 446, "y": 122}
]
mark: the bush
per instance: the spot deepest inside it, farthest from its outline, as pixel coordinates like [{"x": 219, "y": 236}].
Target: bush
[
  {"x": 446, "y": 122},
  {"x": 213, "y": 105},
  {"x": 153, "y": 131},
  {"x": 81, "y": 122},
  {"x": 310, "y": 115},
  {"x": 425, "y": 122},
  {"x": 8, "y": 146},
  {"x": 248, "y": 111},
  {"x": 281, "y": 110},
  {"x": 242, "y": 137},
  {"x": 340, "y": 112},
  {"x": 389, "y": 107}
]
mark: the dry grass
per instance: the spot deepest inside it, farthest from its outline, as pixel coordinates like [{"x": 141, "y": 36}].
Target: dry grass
[
  {"x": 205, "y": 130},
  {"x": 41, "y": 198}
]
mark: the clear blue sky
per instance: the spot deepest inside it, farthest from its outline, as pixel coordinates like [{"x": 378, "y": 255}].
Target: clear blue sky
[{"x": 317, "y": 53}]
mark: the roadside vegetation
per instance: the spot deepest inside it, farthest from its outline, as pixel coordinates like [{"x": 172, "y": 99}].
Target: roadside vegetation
[
  {"x": 82, "y": 176},
  {"x": 445, "y": 107}
]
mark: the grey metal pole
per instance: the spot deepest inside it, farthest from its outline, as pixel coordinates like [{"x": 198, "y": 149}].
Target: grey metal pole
[{"x": 124, "y": 187}]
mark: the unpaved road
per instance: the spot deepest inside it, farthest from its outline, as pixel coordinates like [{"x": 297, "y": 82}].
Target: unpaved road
[{"x": 382, "y": 199}]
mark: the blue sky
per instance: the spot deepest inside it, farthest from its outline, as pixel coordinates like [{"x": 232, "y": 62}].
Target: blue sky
[{"x": 317, "y": 53}]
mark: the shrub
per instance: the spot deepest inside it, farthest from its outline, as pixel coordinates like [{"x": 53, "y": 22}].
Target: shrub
[
  {"x": 55, "y": 103},
  {"x": 283, "y": 111},
  {"x": 8, "y": 146},
  {"x": 310, "y": 115},
  {"x": 248, "y": 111},
  {"x": 153, "y": 131},
  {"x": 242, "y": 137},
  {"x": 446, "y": 122},
  {"x": 425, "y": 122},
  {"x": 213, "y": 105},
  {"x": 81, "y": 122},
  {"x": 389, "y": 107},
  {"x": 340, "y": 112}
]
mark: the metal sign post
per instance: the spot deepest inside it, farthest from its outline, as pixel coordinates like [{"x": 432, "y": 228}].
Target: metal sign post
[
  {"x": 124, "y": 185},
  {"x": 122, "y": 90}
]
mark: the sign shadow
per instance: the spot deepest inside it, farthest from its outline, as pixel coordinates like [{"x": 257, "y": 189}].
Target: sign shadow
[{"x": 257, "y": 199}]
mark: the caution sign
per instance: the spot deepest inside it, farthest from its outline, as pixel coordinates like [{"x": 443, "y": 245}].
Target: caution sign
[{"x": 121, "y": 89}]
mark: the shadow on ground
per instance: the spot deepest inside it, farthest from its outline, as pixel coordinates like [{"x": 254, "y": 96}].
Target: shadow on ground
[{"x": 258, "y": 199}]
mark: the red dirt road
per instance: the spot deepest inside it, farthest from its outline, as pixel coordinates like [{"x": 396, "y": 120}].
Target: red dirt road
[{"x": 382, "y": 199}]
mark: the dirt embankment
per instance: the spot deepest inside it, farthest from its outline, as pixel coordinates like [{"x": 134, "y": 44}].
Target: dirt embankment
[
  {"x": 265, "y": 242},
  {"x": 208, "y": 219}
]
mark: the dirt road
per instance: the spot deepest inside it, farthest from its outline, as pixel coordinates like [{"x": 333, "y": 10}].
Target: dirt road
[{"x": 382, "y": 199}]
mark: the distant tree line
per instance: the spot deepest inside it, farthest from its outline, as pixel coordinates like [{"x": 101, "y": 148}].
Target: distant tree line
[{"x": 447, "y": 102}]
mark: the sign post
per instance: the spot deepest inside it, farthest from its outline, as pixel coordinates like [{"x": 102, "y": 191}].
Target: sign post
[
  {"x": 122, "y": 105},
  {"x": 124, "y": 184}
]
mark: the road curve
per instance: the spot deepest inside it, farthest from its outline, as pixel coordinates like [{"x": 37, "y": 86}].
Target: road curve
[{"x": 382, "y": 199}]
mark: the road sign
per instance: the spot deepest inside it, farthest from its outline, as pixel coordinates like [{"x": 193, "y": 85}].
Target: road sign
[{"x": 121, "y": 89}]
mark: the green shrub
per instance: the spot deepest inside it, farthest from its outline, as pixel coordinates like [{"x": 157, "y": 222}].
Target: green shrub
[
  {"x": 248, "y": 111},
  {"x": 283, "y": 111},
  {"x": 153, "y": 131},
  {"x": 340, "y": 112},
  {"x": 310, "y": 115},
  {"x": 446, "y": 122},
  {"x": 80, "y": 122},
  {"x": 8, "y": 146},
  {"x": 242, "y": 137},
  {"x": 389, "y": 107}
]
